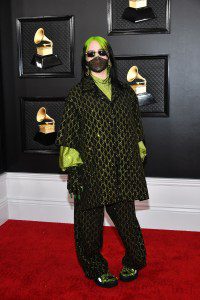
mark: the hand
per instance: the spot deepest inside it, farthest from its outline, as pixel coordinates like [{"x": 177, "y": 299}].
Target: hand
[{"x": 74, "y": 184}]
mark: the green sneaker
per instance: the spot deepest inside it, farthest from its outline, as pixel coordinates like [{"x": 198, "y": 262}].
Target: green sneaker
[
  {"x": 128, "y": 274},
  {"x": 106, "y": 280}
]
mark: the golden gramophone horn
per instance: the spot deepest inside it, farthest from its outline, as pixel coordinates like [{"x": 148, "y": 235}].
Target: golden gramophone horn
[
  {"x": 39, "y": 36},
  {"x": 133, "y": 74},
  {"x": 139, "y": 82},
  {"x": 44, "y": 45},
  {"x": 41, "y": 114},
  {"x": 48, "y": 125}
]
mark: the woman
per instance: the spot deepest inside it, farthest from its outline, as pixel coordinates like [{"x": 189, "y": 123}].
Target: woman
[{"x": 102, "y": 151}]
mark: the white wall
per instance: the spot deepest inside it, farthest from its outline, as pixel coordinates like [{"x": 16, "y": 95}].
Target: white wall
[
  {"x": 3, "y": 199},
  {"x": 174, "y": 203}
]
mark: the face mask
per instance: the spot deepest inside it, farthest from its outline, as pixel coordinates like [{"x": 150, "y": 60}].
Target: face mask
[{"x": 97, "y": 64}]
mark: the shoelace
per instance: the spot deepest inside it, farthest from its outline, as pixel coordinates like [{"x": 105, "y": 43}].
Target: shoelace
[
  {"x": 128, "y": 271},
  {"x": 107, "y": 277}
]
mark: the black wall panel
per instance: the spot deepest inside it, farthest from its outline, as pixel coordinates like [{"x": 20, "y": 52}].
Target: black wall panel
[
  {"x": 2, "y": 121},
  {"x": 173, "y": 142}
]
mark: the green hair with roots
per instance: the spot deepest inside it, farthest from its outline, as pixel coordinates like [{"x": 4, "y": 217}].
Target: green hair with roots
[{"x": 103, "y": 42}]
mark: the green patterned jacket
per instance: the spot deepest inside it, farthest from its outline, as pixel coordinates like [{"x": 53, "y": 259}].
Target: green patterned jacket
[{"x": 106, "y": 134}]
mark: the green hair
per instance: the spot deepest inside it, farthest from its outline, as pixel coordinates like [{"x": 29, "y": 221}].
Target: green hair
[{"x": 103, "y": 42}]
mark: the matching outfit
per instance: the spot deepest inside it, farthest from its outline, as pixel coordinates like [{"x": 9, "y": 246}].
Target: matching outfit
[{"x": 101, "y": 130}]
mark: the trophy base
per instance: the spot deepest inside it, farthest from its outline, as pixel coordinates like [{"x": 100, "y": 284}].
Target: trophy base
[
  {"x": 45, "y": 62},
  {"x": 47, "y": 128},
  {"x": 139, "y": 87},
  {"x": 137, "y": 81},
  {"x": 138, "y": 15},
  {"x": 45, "y": 139},
  {"x": 145, "y": 99}
]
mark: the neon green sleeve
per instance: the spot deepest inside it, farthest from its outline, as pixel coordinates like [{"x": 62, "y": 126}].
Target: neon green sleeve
[
  {"x": 68, "y": 157},
  {"x": 143, "y": 150}
]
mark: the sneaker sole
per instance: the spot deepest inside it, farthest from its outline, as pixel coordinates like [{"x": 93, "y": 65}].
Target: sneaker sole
[
  {"x": 106, "y": 285},
  {"x": 126, "y": 279}
]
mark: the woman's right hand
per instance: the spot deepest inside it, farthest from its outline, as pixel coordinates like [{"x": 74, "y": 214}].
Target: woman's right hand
[{"x": 74, "y": 184}]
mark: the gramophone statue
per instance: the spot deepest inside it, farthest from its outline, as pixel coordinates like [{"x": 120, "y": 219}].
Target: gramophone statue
[
  {"x": 138, "y": 11},
  {"x": 46, "y": 134},
  {"x": 139, "y": 85},
  {"x": 44, "y": 58}
]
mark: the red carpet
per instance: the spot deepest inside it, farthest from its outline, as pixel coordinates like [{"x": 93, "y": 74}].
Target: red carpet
[{"x": 38, "y": 261}]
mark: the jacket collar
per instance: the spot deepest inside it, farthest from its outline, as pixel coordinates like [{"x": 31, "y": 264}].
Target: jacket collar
[{"x": 88, "y": 84}]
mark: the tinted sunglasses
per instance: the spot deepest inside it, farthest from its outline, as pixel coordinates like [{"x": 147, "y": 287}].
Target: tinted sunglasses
[{"x": 91, "y": 53}]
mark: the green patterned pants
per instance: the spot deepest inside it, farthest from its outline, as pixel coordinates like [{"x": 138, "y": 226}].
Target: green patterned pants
[{"x": 88, "y": 233}]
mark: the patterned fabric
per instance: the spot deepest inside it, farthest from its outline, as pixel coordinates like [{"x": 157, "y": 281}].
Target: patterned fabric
[
  {"x": 74, "y": 182},
  {"x": 88, "y": 232},
  {"x": 70, "y": 157},
  {"x": 106, "y": 134}
]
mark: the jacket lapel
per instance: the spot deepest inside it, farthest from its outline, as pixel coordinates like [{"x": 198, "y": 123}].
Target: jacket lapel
[{"x": 88, "y": 84}]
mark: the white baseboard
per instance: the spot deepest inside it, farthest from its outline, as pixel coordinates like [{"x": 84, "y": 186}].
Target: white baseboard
[
  {"x": 174, "y": 203},
  {"x": 3, "y": 199}
]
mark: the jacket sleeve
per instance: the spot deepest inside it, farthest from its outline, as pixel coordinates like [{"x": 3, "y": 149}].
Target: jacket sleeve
[
  {"x": 143, "y": 150},
  {"x": 68, "y": 157},
  {"x": 68, "y": 134},
  {"x": 137, "y": 115}
]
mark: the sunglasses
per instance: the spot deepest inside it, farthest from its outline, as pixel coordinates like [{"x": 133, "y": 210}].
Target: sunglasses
[{"x": 91, "y": 53}]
